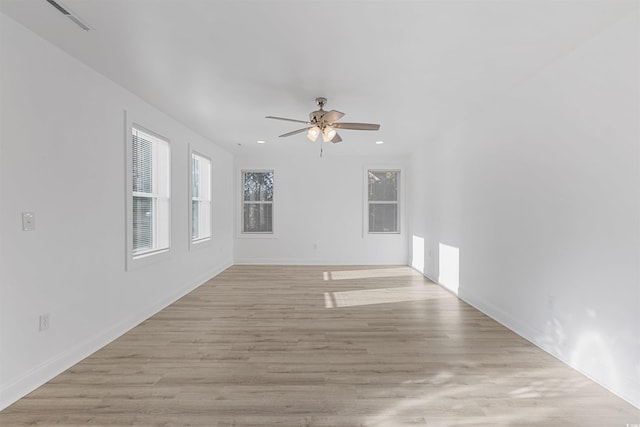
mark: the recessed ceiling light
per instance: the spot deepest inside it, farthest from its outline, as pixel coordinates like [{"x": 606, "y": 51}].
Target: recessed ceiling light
[
  {"x": 379, "y": 142},
  {"x": 260, "y": 142}
]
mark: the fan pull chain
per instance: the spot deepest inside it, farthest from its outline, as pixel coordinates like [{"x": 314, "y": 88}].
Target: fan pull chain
[{"x": 321, "y": 148}]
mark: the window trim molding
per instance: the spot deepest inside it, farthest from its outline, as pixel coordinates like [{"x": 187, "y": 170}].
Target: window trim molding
[
  {"x": 205, "y": 241},
  {"x": 365, "y": 199},
  {"x": 240, "y": 194},
  {"x": 151, "y": 257}
]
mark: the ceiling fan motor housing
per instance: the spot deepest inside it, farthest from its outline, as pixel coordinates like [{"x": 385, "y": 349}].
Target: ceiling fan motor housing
[{"x": 316, "y": 116}]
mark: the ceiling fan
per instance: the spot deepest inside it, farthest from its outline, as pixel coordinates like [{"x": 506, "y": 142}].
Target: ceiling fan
[{"x": 325, "y": 123}]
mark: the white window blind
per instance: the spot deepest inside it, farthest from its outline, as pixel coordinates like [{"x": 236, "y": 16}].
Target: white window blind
[
  {"x": 150, "y": 193},
  {"x": 200, "y": 198},
  {"x": 257, "y": 202},
  {"x": 383, "y": 199}
]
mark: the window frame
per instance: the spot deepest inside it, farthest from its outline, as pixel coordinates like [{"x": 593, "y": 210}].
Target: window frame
[
  {"x": 137, "y": 260},
  {"x": 262, "y": 234},
  {"x": 203, "y": 240},
  {"x": 397, "y": 202}
]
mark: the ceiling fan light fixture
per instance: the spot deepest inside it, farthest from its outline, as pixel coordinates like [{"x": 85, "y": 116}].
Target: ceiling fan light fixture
[
  {"x": 328, "y": 133},
  {"x": 313, "y": 133}
]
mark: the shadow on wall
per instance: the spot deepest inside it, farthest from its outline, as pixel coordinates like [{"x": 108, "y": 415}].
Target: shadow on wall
[
  {"x": 589, "y": 353},
  {"x": 592, "y": 355}
]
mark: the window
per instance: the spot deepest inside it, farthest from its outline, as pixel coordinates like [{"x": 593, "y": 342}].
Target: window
[
  {"x": 257, "y": 202},
  {"x": 383, "y": 199},
  {"x": 149, "y": 193},
  {"x": 200, "y": 198}
]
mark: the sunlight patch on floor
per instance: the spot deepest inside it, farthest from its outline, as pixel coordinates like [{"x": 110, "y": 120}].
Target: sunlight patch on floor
[
  {"x": 369, "y": 273},
  {"x": 376, "y": 296}
]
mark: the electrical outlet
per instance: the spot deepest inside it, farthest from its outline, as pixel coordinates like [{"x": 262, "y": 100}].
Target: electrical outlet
[
  {"x": 44, "y": 322},
  {"x": 28, "y": 221}
]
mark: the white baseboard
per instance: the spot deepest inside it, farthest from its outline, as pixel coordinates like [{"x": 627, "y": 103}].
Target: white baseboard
[{"x": 39, "y": 375}]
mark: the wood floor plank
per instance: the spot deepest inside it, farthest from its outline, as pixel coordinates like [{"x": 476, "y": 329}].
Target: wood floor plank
[{"x": 320, "y": 346}]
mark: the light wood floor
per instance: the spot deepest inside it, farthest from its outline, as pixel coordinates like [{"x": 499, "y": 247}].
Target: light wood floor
[{"x": 321, "y": 346}]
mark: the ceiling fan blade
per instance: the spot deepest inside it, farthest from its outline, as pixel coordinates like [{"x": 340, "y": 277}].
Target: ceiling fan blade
[
  {"x": 356, "y": 126},
  {"x": 294, "y": 132},
  {"x": 288, "y": 120},
  {"x": 332, "y": 116},
  {"x": 336, "y": 139}
]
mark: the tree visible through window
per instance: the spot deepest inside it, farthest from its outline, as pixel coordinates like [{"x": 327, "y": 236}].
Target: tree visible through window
[
  {"x": 383, "y": 200},
  {"x": 257, "y": 205}
]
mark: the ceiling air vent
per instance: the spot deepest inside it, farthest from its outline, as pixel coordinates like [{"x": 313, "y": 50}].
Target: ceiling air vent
[{"x": 69, "y": 15}]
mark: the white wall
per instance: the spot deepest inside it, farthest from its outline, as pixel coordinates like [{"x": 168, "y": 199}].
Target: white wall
[
  {"x": 541, "y": 196},
  {"x": 62, "y": 157},
  {"x": 319, "y": 211}
]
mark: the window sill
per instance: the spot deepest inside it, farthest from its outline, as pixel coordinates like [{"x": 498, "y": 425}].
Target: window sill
[
  {"x": 383, "y": 233},
  {"x": 144, "y": 260},
  {"x": 256, "y": 236},
  {"x": 200, "y": 243}
]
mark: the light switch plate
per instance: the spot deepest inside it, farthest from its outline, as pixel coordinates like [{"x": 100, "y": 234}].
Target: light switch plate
[{"x": 28, "y": 221}]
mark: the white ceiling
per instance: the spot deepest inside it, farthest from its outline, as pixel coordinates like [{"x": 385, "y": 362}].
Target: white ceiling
[{"x": 416, "y": 67}]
